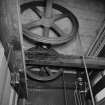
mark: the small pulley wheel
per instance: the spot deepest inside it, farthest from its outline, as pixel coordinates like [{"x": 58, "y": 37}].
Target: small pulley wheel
[
  {"x": 43, "y": 74},
  {"x": 47, "y": 21}
]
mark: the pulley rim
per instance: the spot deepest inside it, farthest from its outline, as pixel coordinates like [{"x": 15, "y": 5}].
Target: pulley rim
[
  {"x": 42, "y": 78},
  {"x": 48, "y": 40}
]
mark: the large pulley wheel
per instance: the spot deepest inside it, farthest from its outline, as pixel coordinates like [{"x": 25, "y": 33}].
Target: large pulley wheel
[
  {"x": 47, "y": 21},
  {"x": 43, "y": 74}
]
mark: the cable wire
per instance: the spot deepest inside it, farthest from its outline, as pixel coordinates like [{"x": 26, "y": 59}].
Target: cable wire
[{"x": 86, "y": 70}]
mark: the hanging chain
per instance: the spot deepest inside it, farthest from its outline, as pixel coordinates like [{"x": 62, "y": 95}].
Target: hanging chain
[
  {"x": 86, "y": 70},
  {"x": 64, "y": 86}
]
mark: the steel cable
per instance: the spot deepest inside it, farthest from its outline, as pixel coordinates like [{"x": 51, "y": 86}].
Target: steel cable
[{"x": 86, "y": 70}]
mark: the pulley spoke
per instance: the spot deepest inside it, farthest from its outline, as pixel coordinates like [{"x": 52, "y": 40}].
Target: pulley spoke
[
  {"x": 46, "y": 31},
  {"x": 48, "y": 8},
  {"x": 42, "y": 70},
  {"x": 59, "y": 16},
  {"x": 27, "y": 33},
  {"x": 33, "y": 24},
  {"x": 48, "y": 71},
  {"x": 47, "y": 22},
  {"x": 37, "y": 11},
  {"x": 58, "y": 30}
]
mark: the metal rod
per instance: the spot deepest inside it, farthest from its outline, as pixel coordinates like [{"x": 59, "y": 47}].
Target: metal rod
[
  {"x": 90, "y": 88},
  {"x": 86, "y": 71}
]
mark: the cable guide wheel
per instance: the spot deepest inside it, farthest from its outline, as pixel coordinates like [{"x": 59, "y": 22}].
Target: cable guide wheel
[
  {"x": 47, "y": 21},
  {"x": 42, "y": 73}
]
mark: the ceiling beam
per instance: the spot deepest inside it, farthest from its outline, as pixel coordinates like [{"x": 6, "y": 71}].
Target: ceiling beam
[{"x": 64, "y": 61}]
